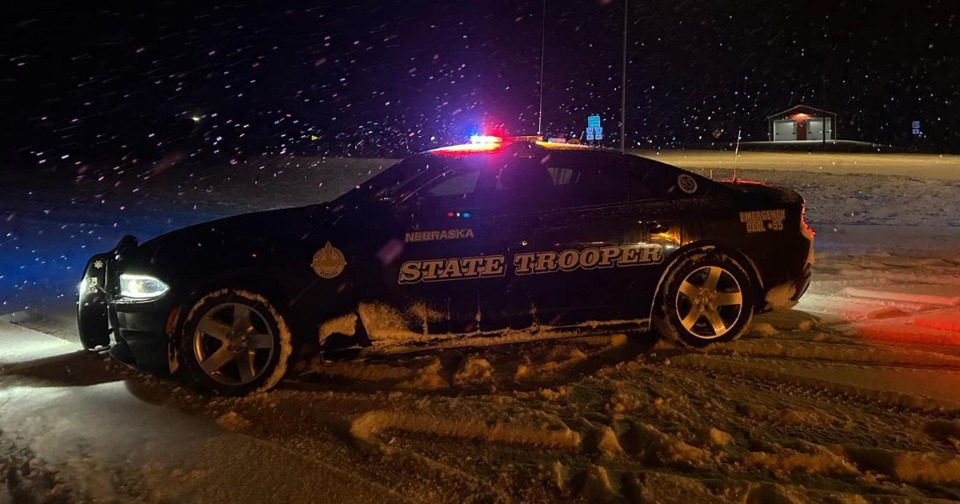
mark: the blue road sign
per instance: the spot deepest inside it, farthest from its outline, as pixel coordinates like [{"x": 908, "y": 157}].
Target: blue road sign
[{"x": 593, "y": 121}]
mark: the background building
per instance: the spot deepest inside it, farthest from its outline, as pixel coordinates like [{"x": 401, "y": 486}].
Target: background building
[{"x": 802, "y": 122}]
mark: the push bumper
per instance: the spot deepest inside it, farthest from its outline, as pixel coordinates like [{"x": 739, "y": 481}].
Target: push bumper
[
  {"x": 133, "y": 331},
  {"x": 95, "y": 293}
]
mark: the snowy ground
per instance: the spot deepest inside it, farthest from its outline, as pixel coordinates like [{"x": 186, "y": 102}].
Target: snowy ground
[{"x": 852, "y": 397}]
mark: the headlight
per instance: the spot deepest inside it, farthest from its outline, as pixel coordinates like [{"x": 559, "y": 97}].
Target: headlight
[{"x": 141, "y": 287}]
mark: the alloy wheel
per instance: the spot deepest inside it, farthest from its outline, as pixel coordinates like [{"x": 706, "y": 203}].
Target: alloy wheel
[
  {"x": 709, "y": 302},
  {"x": 234, "y": 344}
]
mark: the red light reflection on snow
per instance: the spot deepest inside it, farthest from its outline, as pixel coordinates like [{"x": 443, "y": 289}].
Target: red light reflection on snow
[{"x": 938, "y": 328}]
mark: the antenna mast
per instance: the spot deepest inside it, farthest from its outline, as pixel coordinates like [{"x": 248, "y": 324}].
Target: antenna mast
[
  {"x": 623, "y": 83},
  {"x": 543, "y": 48},
  {"x": 736, "y": 155}
]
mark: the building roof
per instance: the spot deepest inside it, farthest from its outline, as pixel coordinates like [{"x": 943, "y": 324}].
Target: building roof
[{"x": 795, "y": 107}]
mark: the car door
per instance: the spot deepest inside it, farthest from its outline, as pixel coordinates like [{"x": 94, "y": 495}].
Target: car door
[
  {"x": 600, "y": 250},
  {"x": 459, "y": 231}
]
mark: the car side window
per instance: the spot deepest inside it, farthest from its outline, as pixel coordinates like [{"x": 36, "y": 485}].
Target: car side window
[
  {"x": 473, "y": 186},
  {"x": 454, "y": 184},
  {"x": 523, "y": 183},
  {"x": 586, "y": 179},
  {"x": 497, "y": 185},
  {"x": 562, "y": 176},
  {"x": 458, "y": 186}
]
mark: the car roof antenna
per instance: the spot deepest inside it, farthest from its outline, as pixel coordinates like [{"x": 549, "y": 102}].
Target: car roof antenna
[{"x": 736, "y": 155}]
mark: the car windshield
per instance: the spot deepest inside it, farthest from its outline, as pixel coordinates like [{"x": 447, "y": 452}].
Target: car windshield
[
  {"x": 390, "y": 183},
  {"x": 399, "y": 180}
]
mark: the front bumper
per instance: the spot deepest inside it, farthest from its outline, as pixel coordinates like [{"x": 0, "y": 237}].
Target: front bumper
[
  {"x": 135, "y": 332},
  {"x": 140, "y": 337}
]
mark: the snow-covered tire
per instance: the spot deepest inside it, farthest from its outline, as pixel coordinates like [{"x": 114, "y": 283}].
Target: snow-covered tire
[
  {"x": 707, "y": 298},
  {"x": 234, "y": 342}
]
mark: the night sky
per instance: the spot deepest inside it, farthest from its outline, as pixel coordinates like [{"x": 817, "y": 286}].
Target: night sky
[{"x": 137, "y": 82}]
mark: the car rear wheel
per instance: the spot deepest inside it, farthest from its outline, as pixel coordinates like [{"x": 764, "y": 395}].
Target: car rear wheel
[
  {"x": 234, "y": 342},
  {"x": 706, "y": 299}
]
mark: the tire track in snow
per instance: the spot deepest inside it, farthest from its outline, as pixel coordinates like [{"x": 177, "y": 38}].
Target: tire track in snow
[
  {"x": 770, "y": 380},
  {"x": 927, "y": 466}
]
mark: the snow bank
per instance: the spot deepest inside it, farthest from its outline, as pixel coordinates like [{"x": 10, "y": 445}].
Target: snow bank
[
  {"x": 606, "y": 443},
  {"x": 366, "y": 427},
  {"x": 474, "y": 371},
  {"x": 779, "y": 297},
  {"x": 761, "y": 329},
  {"x": 344, "y": 324},
  {"x": 817, "y": 460},
  {"x": 655, "y": 447},
  {"x": 427, "y": 377},
  {"x": 232, "y": 421},
  {"x": 385, "y": 323},
  {"x": 909, "y": 467},
  {"x": 560, "y": 358},
  {"x": 712, "y": 437},
  {"x": 595, "y": 486}
]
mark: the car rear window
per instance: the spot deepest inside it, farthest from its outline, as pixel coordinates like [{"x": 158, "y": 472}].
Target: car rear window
[{"x": 653, "y": 180}]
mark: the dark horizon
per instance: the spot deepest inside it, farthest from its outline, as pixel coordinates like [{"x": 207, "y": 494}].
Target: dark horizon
[{"x": 110, "y": 86}]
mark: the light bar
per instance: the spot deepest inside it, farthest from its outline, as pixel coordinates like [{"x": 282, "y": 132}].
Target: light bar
[
  {"x": 462, "y": 150},
  {"x": 485, "y": 139}
]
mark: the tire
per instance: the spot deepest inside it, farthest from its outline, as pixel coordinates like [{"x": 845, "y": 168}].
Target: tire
[
  {"x": 234, "y": 342},
  {"x": 707, "y": 298}
]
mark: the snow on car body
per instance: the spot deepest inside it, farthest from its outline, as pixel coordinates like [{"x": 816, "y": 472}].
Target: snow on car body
[{"x": 457, "y": 245}]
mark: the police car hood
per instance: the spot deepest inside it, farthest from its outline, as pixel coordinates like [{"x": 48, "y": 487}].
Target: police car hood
[
  {"x": 227, "y": 242},
  {"x": 264, "y": 224}
]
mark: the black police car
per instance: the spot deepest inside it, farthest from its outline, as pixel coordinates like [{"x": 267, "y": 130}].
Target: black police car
[{"x": 456, "y": 246}]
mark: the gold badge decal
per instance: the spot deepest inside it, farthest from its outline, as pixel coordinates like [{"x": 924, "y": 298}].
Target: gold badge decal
[{"x": 328, "y": 262}]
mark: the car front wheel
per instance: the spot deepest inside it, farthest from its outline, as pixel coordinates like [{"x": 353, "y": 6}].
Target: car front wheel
[
  {"x": 234, "y": 342},
  {"x": 707, "y": 299}
]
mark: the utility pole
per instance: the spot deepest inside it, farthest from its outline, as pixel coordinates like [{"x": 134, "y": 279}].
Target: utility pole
[
  {"x": 823, "y": 104},
  {"x": 543, "y": 49},
  {"x": 623, "y": 83}
]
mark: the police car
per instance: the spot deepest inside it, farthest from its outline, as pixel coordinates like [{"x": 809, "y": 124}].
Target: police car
[{"x": 461, "y": 245}]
